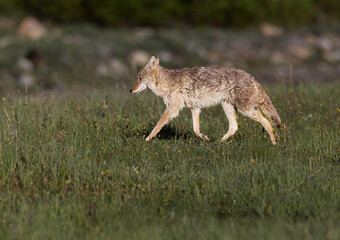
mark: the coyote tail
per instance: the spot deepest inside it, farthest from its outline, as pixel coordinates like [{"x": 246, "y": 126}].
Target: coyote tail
[{"x": 269, "y": 111}]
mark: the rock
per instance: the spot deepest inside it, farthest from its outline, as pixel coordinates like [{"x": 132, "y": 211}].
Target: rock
[
  {"x": 103, "y": 70},
  {"x": 139, "y": 58},
  {"x": 332, "y": 56},
  {"x": 25, "y": 65},
  {"x": 114, "y": 68},
  {"x": 118, "y": 68},
  {"x": 269, "y": 30},
  {"x": 310, "y": 38},
  {"x": 302, "y": 52},
  {"x": 32, "y": 29},
  {"x": 277, "y": 58},
  {"x": 325, "y": 43},
  {"x": 26, "y": 80},
  {"x": 328, "y": 44}
]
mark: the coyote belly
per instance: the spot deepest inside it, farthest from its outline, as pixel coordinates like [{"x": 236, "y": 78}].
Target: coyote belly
[{"x": 201, "y": 87}]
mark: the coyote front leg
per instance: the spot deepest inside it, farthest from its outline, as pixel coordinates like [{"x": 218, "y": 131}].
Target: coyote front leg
[
  {"x": 169, "y": 114},
  {"x": 164, "y": 120},
  {"x": 196, "y": 123}
]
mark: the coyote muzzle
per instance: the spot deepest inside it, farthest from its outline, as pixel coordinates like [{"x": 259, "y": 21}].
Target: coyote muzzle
[{"x": 138, "y": 87}]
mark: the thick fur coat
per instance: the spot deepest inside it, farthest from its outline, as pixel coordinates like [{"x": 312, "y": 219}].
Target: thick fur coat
[{"x": 201, "y": 87}]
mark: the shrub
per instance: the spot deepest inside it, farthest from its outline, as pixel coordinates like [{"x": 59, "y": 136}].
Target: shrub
[{"x": 289, "y": 13}]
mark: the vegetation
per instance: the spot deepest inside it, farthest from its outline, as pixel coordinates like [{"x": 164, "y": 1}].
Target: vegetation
[
  {"x": 79, "y": 168},
  {"x": 289, "y": 13},
  {"x": 74, "y": 163}
]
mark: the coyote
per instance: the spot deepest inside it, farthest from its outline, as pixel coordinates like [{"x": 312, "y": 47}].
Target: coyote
[{"x": 201, "y": 87}]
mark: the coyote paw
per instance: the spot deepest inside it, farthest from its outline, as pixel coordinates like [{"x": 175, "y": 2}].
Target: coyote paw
[
  {"x": 203, "y": 136},
  {"x": 224, "y": 139},
  {"x": 148, "y": 139}
]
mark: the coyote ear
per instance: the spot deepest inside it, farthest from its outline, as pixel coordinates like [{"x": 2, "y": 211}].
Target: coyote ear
[{"x": 154, "y": 62}]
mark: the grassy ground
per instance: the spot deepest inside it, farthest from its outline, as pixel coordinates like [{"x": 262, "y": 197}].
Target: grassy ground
[{"x": 79, "y": 168}]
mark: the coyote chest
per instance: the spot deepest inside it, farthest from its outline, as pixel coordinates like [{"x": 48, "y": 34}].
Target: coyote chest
[{"x": 201, "y": 87}]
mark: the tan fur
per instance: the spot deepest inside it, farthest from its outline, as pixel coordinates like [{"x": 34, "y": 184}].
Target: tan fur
[
  {"x": 201, "y": 87},
  {"x": 135, "y": 86}
]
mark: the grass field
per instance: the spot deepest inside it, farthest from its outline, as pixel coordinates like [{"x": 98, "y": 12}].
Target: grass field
[{"x": 79, "y": 168}]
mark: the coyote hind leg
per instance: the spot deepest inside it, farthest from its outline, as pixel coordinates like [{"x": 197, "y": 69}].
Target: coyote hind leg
[
  {"x": 256, "y": 115},
  {"x": 231, "y": 115},
  {"x": 196, "y": 123}
]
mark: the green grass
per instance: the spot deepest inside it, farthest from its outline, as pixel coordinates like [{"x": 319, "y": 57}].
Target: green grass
[{"x": 79, "y": 168}]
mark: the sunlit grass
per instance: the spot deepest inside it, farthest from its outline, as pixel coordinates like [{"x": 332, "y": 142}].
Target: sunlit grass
[{"x": 80, "y": 168}]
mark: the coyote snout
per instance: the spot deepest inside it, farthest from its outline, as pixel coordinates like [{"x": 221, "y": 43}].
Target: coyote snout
[
  {"x": 138, "y": 87},
  {"x": 201, "y": 87}
]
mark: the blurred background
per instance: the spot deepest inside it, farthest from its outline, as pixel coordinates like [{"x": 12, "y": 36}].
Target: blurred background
[{"x": 73, "y": 45}]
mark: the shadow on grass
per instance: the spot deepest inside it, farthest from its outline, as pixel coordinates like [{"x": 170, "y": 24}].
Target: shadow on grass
[{"x": 169, "y": 132}]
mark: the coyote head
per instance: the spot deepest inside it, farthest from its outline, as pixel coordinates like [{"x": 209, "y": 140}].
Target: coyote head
[{"x": 146, "y": 76}]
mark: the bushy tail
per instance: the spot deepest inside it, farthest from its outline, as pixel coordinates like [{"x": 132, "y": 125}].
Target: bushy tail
[{"x": 269, "y": 111}]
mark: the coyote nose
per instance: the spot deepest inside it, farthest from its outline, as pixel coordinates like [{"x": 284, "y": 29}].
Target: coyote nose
[{"x": 130, "y": 90}]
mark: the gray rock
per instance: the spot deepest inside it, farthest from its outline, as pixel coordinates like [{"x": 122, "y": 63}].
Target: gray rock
[
  {"x": 139, "y": 58},
  {"x": 26, "y": 80},
  {"x": 32, "y": 29},
  {"x": 25, "y": 65},
  {"x": 269, "y": 30}
]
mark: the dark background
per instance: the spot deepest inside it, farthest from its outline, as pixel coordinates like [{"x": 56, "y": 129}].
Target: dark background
[
  {"x": 288, "y": 13},
  {"x": 64, "y": 44}
]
